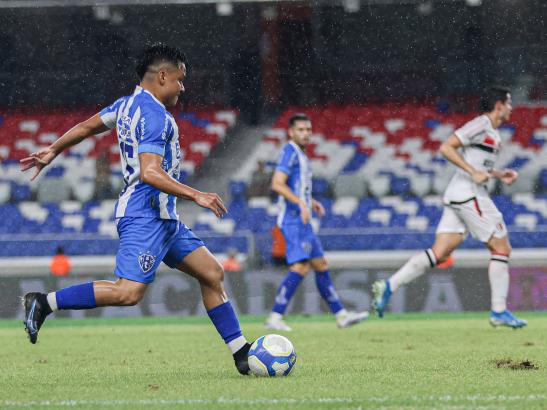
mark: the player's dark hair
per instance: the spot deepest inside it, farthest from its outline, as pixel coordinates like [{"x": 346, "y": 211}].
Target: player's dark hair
[
  {"x": 298, "y": 117},
  {"x": 491, "y": 96},
  {"x": 157, "y": 53}
]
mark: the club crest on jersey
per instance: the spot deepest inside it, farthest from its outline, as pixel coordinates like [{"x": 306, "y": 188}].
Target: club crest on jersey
[
  {"x": 306, "y": 246},
  {"x": 146, "y": 261}
]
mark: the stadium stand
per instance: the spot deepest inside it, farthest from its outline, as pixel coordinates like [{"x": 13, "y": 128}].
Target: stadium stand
[
  {"x": 56, "y": 206},
  {"x": 381, "y": 164},
  {"x": 22, "y": 133},
  {"x": 376, "y": 172},
  {"x": 393, "y": 149}
]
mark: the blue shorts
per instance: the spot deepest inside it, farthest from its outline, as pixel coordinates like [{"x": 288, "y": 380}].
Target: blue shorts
[
  {"x": 302, "y": 243},
  {"x": 146, "y": 242}
]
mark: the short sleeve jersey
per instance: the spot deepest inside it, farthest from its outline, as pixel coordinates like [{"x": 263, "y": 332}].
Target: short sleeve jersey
[
  {"x": 294, "y": 162},
  {"x": 480, "y": 148},
  {"x": 143, "y": 125}
]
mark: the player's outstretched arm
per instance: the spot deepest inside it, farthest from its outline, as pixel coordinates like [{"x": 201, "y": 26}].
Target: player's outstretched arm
[
  {"x": 279, "y": 185},
  {"x": 75, "y": 135},
  {"x": 153, "y": 174},
  {"x": 449, "y": 149}
]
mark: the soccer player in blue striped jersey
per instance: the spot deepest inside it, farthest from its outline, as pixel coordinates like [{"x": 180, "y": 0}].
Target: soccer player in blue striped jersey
[
  {"x": 147, "y": 220},
  {"x": 292, "y": 180}
]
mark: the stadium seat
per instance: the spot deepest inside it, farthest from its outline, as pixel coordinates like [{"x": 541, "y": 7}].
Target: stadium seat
[
  {"x": 349, "y": 185},
  {"x": 5, "y": 192},
  {"x": 84, "y": 190},
  {"x": 320, "y": 188},
  {"x": 379, "y": 185},
  {"x": 20, "y": 192},
  {"x": 237, "y": 190},
  {"x": 420, "y": 185},
  {"x": 53, "y": 190}
]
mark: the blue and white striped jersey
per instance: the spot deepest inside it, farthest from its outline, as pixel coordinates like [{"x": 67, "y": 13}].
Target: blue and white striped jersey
[
  {"x": 144, "y": 125},
  {"x": 295, "y": 163}
]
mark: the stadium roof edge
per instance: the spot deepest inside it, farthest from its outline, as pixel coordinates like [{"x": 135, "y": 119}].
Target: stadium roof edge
[{"x": 93, "y": 3}]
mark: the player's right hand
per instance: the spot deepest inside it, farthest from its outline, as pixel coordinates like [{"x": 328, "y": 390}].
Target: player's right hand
[
  {"x": 39, "y": 159},
  {"x": 480, "y": 177},
  {"x": 211, "y": 201},
  {"x": 305, "y": 214}
]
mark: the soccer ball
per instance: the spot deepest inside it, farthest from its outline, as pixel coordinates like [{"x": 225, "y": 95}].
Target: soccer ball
[{"x": 272, "y": 355}]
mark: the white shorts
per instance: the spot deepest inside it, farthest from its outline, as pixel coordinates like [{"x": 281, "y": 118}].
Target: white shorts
[{"x": 479, "y": 216}]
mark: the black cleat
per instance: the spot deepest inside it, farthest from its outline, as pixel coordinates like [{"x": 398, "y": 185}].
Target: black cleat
[
  {"x": 36, "y": 311},
  {"x": 242, "y": 360}
]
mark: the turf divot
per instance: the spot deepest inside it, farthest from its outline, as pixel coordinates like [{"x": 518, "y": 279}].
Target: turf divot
[{"x": 515, "y": 365}]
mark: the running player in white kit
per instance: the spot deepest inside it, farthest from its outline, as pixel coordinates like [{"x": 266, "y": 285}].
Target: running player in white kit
[{"x": 468, "y": 208}]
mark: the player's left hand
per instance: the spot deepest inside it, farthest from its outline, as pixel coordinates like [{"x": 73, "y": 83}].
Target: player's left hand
[
  {"x": 318, "y": 208},
  {"x": 39, "y": 160},
  {"x": 509, "y": 176}
]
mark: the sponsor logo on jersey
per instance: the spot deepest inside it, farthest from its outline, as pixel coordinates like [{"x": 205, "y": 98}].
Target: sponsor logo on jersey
[
  {"x": 488, "y": 144},
  {"x": 489, "y": 140},
  {"x": 124, "y": 128},
  {"x": 165, "y": 125}
]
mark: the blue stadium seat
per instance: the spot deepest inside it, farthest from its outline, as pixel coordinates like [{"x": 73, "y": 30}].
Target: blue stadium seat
[
  {"x": 237, "y": 189},
  {"x": 358, "y": 160},
  {"x": 55, "y": 171},
  {"x": 400, "y": 185},
  {"x": 20, "y": 192},
  {"x": 398, "y": 220},
  {"x": 542, "y": 180},
  {"x": 202, "y": 227},
  {"x": 517, "y": 163},
  {"x": 320, "y": 188},
  {"x": 91, "y": 225}
]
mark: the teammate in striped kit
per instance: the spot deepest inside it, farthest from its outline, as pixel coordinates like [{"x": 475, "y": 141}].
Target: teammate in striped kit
[
  {"x": 292, "y": 180},
  {"x": 147, "y": 220},
  {"x": 468, "y": 208}
]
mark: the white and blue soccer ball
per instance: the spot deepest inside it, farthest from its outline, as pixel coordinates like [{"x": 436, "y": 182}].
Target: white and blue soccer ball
[{"x": 272, "y": 355}]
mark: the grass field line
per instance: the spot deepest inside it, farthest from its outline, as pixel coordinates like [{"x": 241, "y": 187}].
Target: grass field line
[
  {"x": 249, "y": 319},
  {"x": 446, "y": 399}
]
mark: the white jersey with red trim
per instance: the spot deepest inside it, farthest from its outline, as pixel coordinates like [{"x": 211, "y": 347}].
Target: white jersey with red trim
[{"x": 480, "y": 148}]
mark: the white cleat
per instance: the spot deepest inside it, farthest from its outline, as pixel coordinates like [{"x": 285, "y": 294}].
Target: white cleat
[
  {"x": 350, "y": 318},
  {"x": 275, "y": 322}
]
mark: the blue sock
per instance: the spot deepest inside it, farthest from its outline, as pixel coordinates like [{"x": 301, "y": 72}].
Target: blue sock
[
  {"x": 225, "y": 320},
  {"x": 76, "y": 297},
  {"x": 326, "y": 289},
  {"x": 286, "y": 291}
]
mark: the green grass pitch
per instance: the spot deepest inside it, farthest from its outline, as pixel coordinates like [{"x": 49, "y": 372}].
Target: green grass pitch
[{"x": 441, "y": 360}]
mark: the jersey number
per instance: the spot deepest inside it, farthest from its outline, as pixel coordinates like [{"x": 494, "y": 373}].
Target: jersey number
[{"x": 127, "y": 152}]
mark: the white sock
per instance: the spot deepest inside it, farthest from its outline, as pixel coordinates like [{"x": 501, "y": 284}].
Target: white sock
[
  {"x": 416, "y": 266},
  {"x": 341, "y": 313},
  {"x": 52, "y": 301},
  {"x": 276, "y": 316},
  {"x": 237, "y": 344},
  {"x": 498, "y": 273}
]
